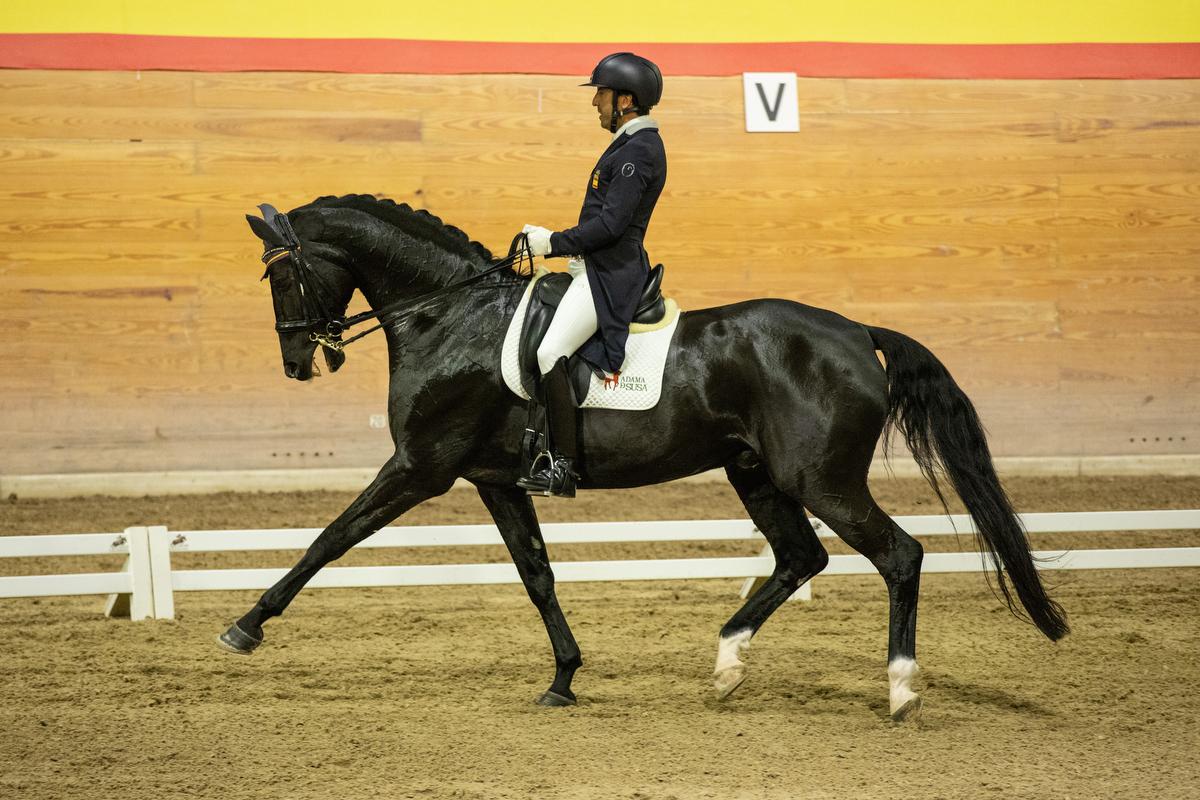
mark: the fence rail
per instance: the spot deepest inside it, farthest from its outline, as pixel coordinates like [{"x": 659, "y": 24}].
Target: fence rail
[
  {"x": 148, "y": 581},
  {"x": 130, "y": 590}
]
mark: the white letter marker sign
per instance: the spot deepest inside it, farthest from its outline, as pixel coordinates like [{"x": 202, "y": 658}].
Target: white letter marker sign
[{"x": 771, "y": 103}]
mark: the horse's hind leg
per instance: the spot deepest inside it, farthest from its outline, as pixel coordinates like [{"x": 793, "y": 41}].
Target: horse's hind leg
[
  {"x": 852, "y": 513},
  {"x": 798, "y": 557}
]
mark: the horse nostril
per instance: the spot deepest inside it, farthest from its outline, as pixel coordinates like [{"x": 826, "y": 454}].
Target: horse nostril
[{"x": 290, "y": 369}]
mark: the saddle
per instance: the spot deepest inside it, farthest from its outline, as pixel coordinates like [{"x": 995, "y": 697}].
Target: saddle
[{"x": 543, "y": 302}]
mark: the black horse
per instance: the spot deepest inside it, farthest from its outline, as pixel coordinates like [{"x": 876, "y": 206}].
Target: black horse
[{"x": 790, "y": 400}]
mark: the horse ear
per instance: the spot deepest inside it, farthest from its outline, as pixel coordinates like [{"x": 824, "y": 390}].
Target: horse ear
[{"x": 264, "y": 231}]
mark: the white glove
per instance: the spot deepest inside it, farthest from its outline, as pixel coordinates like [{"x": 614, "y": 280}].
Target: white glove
[{"x": 539, "y": 239}]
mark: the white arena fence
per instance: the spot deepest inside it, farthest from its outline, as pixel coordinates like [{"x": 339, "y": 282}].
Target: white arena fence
[
  {"x": 130, "y": 590},
  {"x": 145, "y": 587}
]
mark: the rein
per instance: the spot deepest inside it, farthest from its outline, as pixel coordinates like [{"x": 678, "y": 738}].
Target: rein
[{"x": 335, "y": 325}]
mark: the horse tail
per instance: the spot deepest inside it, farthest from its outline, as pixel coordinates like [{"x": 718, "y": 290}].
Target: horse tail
[{"x": 945, "y": 436}]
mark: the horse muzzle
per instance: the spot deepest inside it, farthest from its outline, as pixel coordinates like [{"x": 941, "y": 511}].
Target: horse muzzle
[{"x": 298, "y": 370}]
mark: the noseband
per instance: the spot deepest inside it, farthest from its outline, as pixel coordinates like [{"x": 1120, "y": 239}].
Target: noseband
[{"x": 325, "y": 326}]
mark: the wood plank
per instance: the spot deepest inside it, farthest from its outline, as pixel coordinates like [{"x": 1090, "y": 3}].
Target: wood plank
[
  {"x": 1137, "y": 277},
  {"x": 133, "y": 260},
  {"x": 1173, "y": 131},
  {"x": 1129, "y": 365},
  {"x": 1165, "y": 191},
  {"x": 173, "y": 124},
  {"x": 232, "y": 156},
  {"x": 1113, "y": 318},
  {"x": 724, "y": 246},
  {"x": 941, "y": 163},
  {"x": 1080, "y": 97},
  {"x": 29, "y": 88},
  {"x": 31, "y": 161},
  {"x": 149, "y": 195},
  {"x": 966, "y": 281},
  {"x": 116, "y": 225},
  {"x": 23, "y": 288}
]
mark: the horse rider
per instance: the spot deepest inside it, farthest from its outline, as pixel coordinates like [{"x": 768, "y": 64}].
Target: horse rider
[{"x": 608, "y": 264}]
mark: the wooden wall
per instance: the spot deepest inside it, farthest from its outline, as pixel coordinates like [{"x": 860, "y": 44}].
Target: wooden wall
[{"x": 1041, "y": 237}]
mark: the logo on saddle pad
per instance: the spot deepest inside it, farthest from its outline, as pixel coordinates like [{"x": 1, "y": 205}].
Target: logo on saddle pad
[
  {"x": 626, "y": 383},
  {"x": 635, "y": 387}
]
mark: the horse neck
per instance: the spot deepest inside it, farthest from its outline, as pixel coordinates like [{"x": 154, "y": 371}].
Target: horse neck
[{"x": 393, "y": 266}]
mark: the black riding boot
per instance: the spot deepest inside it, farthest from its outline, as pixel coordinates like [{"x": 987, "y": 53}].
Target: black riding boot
[{"x": 556, "y": 476}]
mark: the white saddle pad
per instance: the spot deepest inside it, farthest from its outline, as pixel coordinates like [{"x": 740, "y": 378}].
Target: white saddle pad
[{"x": 640, "y": 384}]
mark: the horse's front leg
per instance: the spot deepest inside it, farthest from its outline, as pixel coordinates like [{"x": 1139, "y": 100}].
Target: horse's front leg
[
  {"x": 515, "y": 518},
  {"x": 398, "y": 487}
]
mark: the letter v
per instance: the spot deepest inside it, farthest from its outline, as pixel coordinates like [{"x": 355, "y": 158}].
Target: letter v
[{"x": 772, "y": 113}]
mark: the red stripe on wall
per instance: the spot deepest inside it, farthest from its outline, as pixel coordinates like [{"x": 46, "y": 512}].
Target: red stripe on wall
[{"x": 814, "y": 59}]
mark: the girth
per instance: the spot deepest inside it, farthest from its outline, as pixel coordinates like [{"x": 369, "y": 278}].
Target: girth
[{"x": 543, "y": 303}]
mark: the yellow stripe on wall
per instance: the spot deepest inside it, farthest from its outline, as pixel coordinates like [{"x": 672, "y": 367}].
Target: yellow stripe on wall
[{"x": 882, "y": 21}]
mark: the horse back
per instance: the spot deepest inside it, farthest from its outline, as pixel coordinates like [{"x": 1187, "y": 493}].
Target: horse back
[{"x": 780, "y": 339}]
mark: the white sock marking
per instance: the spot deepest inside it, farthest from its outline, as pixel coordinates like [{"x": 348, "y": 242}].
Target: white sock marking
[
  {"x": 729, "y": 648},
  {"x": 900, "y": 675},
  {"x": 730, "y": 671}
]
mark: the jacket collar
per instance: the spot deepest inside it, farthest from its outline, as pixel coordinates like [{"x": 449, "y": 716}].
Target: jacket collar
[{"x": 634, "y": 125}]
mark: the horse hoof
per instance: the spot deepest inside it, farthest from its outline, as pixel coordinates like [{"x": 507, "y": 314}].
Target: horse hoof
[
  {"x": 728, "y": 680},
  {"x": 555, "y": 700},
  {"x": 909, "y": 712},
  {"x": 237, "y": 641}
]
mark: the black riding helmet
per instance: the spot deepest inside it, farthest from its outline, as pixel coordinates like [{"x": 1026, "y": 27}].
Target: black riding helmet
[{"x": 626, "y": 73}]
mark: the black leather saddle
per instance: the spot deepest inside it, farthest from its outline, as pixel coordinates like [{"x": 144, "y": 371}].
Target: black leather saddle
[{"x": 543, "y": 302}]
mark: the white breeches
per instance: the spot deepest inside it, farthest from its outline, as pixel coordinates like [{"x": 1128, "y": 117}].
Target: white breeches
[{"x": 573, "y": 323}]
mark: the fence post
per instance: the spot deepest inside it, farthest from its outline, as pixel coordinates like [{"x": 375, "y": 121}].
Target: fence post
[
  {"x": 141, "y": 598},
  {"x": 138, "y": 604},
  {"x": 160, "y": 570},
  {"x": 117, "y": 605}
]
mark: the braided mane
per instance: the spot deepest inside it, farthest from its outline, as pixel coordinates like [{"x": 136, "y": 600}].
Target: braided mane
[{"x": 415, "y": 221}]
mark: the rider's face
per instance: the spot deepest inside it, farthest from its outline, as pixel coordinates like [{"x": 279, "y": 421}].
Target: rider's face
[{"x": 603, "y": 102}]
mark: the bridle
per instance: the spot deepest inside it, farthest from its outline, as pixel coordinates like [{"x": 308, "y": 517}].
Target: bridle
[
  {"x": 324, "y": 324},
  {"x": 315, "y": 303}
]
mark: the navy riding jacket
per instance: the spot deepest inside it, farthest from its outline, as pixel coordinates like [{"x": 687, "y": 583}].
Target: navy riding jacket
[{"x": 621, "y": 193}]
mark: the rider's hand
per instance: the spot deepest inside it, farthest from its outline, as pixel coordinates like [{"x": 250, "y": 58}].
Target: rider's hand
[{"x": 539, "y": 239}]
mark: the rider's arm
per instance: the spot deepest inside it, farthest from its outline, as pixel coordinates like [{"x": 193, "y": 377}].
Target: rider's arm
[{"x": 631, "y": 173}]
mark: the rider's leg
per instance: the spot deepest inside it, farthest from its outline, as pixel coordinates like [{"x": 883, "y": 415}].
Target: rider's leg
[
  {"x": 560, "y": 411},
  {"x": 573, "y": 324}
]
